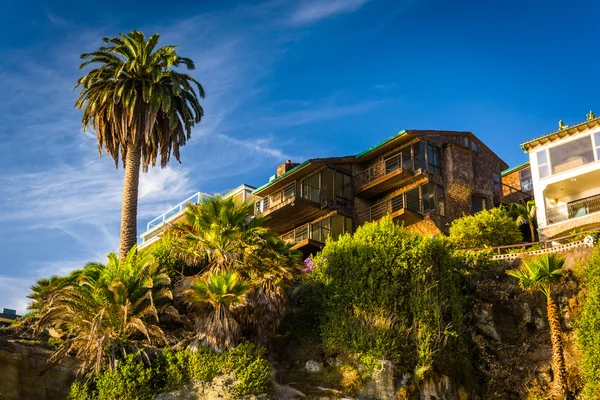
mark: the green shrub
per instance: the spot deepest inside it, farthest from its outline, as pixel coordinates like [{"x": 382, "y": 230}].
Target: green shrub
[
  {"x": 255, "y": 378},
  {"x": 80, "y": 391},
  {"x": 171, "y": 370},
  {"x": 394, "y": 295},
  {"x": 487, "y": 228},
  {"x": 588, "y": 328},
  {"x": 165, "y": 255},
  {"x": 130, "y": 381},
  {"x": 205, "y": 364}
]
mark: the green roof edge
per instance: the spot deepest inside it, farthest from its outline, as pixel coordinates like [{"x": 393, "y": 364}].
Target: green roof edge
[
  {"x": 522, "y": 145},
  {"x": 515, "y": 168},
  {"x": 297, "y": 167},
  {"x": 402, "y": 132}
]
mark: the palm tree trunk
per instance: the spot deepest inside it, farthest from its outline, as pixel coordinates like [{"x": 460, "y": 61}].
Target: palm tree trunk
[
  {"x": 130, "y": 199},
  {"x": 558, "y": 360},
  {"x": 532, "y": 229}
]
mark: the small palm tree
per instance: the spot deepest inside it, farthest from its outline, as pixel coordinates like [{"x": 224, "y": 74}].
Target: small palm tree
[
  {"x": 110, "y": 310},
  {"x": 539, "y": 274},
  {"x": 216, "y": 297},
  {"x": 140, "y": 108},
  {"x": 222, "y": 235},
  {"x": 525, "y": 214}
]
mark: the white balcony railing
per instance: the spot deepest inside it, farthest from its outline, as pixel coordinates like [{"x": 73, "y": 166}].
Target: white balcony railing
[{"x": 174, "y": 211}]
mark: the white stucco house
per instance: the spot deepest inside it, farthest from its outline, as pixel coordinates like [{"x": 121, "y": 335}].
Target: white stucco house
[{"x": 565, "y": 170}]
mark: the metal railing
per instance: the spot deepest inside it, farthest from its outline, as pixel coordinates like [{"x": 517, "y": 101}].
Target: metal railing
[
  {"x": 574, "y": 209},
  {"x": 511, "y": 194},
  {"x": 283, "y": 197},
  {"x": 276, "y": 199},
  {"x": 307, "y": 231},
  {"x": 173, "y": 211},
  {"x": 388, "y": 206},
  {"x": 383, "y": 168}
]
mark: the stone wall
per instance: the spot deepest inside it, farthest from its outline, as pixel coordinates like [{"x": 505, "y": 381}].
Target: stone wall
[{"x": 20, "y": 368}]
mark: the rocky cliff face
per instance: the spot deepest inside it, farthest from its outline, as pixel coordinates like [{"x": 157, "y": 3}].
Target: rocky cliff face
[
  {"x": 20, "y": 367},
  {"x": 509, "y": 328}
]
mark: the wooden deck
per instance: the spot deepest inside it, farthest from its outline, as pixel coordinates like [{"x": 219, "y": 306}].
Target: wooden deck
[
  {"x": 388, "y": 182},
  {"x": 292, "y": 213},
  {"x": 405, "y": 216},
  {"x": 308, "y": 247}
]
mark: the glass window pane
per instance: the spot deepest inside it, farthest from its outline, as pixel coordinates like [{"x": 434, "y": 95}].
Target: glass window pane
[
  {"x": 426, "y": 197},
  {"x": 348, "y": 222},
  {"x": 542, "y": 157},
  {"x": 434, "y": 160},
  {"x": 337, "y": 226},
  {"x": 474, "y": 146},
  {"x": 327, "y": 184},
  {"x": 571, "y": 155},
  {"x": 544, "y": 171},
  {"x": 439, "y": 198},
  {"x": 406, "y": 158},
  {"x": 418, "y": 149},
  {"x": 478, "y": 203},
  {"x": 412, "y": 200}
]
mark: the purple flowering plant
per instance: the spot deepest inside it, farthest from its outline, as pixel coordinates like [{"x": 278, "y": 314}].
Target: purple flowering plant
[{"x": 310, "y": 265}]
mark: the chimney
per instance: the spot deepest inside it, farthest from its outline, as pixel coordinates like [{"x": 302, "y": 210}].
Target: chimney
[{"x": 285, "y": 167}]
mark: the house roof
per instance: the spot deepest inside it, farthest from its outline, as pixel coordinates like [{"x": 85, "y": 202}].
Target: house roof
[
  {"x": 380, "y": 148},
  {"x": 306, "y": 168},
  {"x": 558, "y": 134},
  {"x": 406, "y": 135},
  {"x": 515, "y": 168}
]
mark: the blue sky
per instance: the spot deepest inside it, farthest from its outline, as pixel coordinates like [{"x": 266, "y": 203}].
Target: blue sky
[{"x": 284, "y": 80}]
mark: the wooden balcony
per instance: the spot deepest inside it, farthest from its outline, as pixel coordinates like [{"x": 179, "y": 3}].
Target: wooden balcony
[
  {"x": 400, "y": 208},
  {"x": 302, "y": 239},
  {"x": 294, "y": 205},
  {"x": 386, "y": 175}
]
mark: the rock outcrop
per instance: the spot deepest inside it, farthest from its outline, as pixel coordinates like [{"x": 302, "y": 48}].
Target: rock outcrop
[{"x": 20, "y": 379}]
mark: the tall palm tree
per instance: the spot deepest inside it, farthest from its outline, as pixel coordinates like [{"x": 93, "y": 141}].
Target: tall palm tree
[
  {"x": 538, "y": 275},
  {"x": 139, "y": 108},
  {"x": 216, "y": 297},
  {"x": 525, "y": 214},
  {"x": 108, "y": 311}
]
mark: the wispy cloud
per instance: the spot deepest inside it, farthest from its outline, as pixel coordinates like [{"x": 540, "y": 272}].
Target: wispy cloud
[
  {"x": 319, "y": 112},
  {"x": 60, "y": 196},
  {"x": 312, "y": 11},
  {"x": 57, "y": 20}
]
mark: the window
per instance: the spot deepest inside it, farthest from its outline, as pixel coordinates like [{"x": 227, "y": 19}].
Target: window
[
  {"x": 343, "y": 189},
  {"x": 331, "y": 226},
  {"x": 407, "y": 163},
  {"x": 434, "y": 160},
  {"x": 439, "y": 200},
  {"x": 526, "y": 181},
  {"x": 571, "y": 155},
  {"x": 320, "y": 230},
  {"x": 471, "y": 144},
  {"x": 310, "y": 188},
  {"x": 412, "y": 200},
  {"x": 418, "y": 154},
  {"x": 478, "y": 203},
  {"x": 542, "y": 159},
  {"x": 597, "y": 142}
]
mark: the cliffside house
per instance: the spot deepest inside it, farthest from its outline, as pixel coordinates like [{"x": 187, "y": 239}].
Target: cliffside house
[
  {"x": 517, "y": 184},
  {"x": 156, "y": 227},
  {"x": 565, "y": 172},
  {"x": 423, "y": 179},
  {"x": 7, "y": 317}
]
